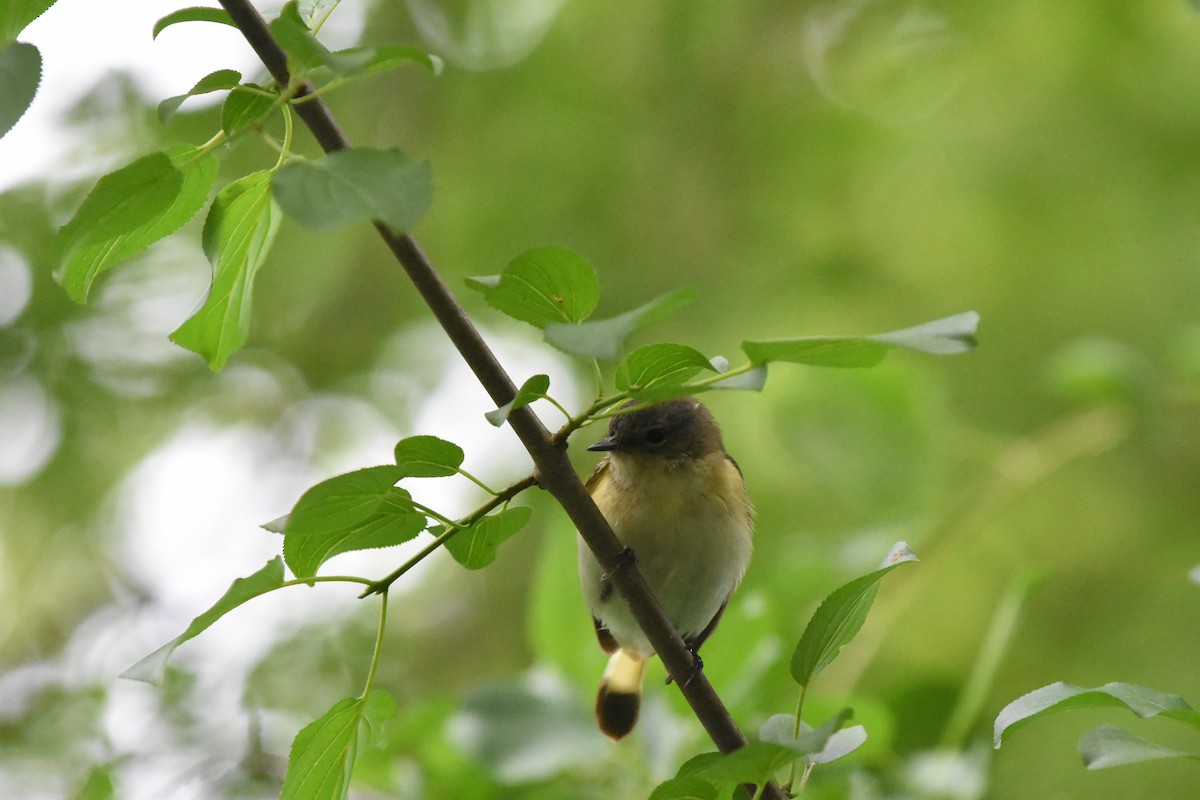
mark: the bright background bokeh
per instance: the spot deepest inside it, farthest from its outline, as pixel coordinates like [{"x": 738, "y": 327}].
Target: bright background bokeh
[{"x": 810, "y": 168}]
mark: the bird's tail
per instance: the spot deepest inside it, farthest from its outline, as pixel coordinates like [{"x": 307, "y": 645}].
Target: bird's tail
[{"x": 620, "y": 695}]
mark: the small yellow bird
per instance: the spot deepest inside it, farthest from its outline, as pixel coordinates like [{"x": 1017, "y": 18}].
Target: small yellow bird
[{"x": 675, "y": 498}]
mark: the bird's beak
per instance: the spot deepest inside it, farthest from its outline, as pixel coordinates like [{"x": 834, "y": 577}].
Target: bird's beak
[{"x": 605, "y": 444}]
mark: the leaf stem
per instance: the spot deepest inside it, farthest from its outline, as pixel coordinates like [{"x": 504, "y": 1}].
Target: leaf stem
[
  {"x": 602, "y": 408},
  {"x": 804, "y": 776},
  {"x": 211, "y": 144},
  {"x": 729, "y": 373},
  {"x": 586, "y": 416},
  {"x": 429, "y": 512},
  {"x": 320, "y": 91},
  {"x": 501, "y": 497},
  {"x": 287, "y": 136},
  {"x": 557, "y": 405},
  {"x": 796, "y": 735},
  {"x": 325, "y": 579},
  {"x": 617, "y": 412},
  {"x": 477, "y": 482},
  {"x": 383, "y": 605},
  {"x": 317, "y": 24},
  {"x": 262, "y": 92}
]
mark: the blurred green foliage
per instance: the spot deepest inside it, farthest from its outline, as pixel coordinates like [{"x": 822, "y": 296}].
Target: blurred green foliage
[{"x": 809, "y": 168}]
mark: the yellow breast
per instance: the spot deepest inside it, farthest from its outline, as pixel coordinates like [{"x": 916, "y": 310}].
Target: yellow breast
[{"x": 689, "y": 525}]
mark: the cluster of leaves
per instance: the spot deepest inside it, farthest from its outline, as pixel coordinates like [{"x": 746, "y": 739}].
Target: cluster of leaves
[
  {"x": 556, "y": 290},
  {"x": 365, "y": 509},
  {"x": 1107, "y": 745},
  {"x": 144, "y": 201}
]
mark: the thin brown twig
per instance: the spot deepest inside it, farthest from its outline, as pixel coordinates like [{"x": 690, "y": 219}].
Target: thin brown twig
[{"x": 553, "y": 470}]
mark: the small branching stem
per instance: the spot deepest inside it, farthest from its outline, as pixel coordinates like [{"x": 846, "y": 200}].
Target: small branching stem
[{"x": 452, "y": 528}]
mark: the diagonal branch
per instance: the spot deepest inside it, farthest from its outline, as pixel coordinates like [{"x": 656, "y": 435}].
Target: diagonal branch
[{"x": 552, "y": 468}]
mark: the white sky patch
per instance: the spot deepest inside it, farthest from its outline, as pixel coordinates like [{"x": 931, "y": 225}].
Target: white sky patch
[{"x": 30, "y": 430}]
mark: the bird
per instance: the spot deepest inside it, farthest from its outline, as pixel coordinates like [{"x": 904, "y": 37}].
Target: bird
[{"x": 678, "y": 503}]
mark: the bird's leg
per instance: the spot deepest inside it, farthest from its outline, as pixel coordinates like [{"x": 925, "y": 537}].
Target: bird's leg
[
  {"x": 697, "y": 664},
  {"x": 625, "y": 560}
]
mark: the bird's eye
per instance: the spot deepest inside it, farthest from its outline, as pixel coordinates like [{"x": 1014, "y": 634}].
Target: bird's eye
[{"x": 656, "y": 436}]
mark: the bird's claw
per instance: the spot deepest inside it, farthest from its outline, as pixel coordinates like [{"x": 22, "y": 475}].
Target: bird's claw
[
  {"x": 625, "y": 560},
  {"x": 697, "y": 668}
]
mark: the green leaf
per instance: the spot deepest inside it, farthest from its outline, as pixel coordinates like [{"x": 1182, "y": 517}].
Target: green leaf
[
  {"x": 355, "y": 185},
  {"x": 778, "y": 730},
  {"x": 605, "y": 338},
  {"x": 295, "y": 37},
  {"x": 212, "y": 82},
  {"x": 686, "y": 788},
  {"x": 543, "y": 285},
  {"x": 130, "y": 209},
  {"x": 696, "y": 764},
  {"x": 125, "y": 198},
  {"x": 360, "y": 510},
  {"x": 941, "y": 337},
  {"x": 246, "y": 105},
  {"x": 98, "y": 786},
  {"x": 819, "y": 745},
  {"x": 1109, "y": 746},
  {"x": 20, "y": 74},
  {"x": 269, "y": 578},
  {"x": 840, "y": 744},
  {"x": 533, "y": 389},
  {"x": 752, "y": 380},
  {"x": 1064, "y": 696},
  {"x": 839, "y": 618},
  {"x": 482, "y": 283},
  {"x": 238, "y": 234},
  {"x": 369, "y": 61},
  {"x": 322, "y": 755},
  {"x": 476, "y": 546},
  {"x": 658, "y": 366},
  {"x": 754, "y": 763},
  {"x": 277, "y": 525},
  {"x": 428, "y": 457},
  {"x": 945, "y": 336},
  {"x": 15, "y": 16},
  {"x": 194, "y": 14},
  {"x": 819, "y": 351}
]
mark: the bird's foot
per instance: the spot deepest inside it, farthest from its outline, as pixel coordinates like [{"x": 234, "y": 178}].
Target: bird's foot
[{"x": 697, "y": 667}]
